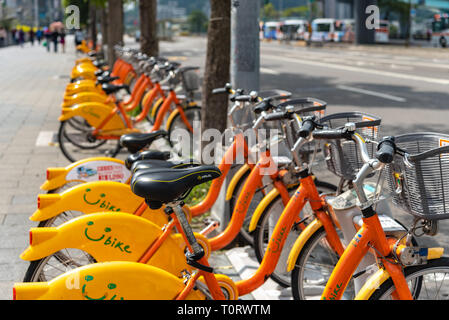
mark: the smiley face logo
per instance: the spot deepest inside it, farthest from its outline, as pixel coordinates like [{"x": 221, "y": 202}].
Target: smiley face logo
[
  {"x": 110, "y": 286},
  {"x": 93, "y": 203},
  {"x": 90, "y": 223}
]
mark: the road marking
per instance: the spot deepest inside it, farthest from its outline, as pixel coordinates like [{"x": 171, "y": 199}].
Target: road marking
[
  {"x": 372, "y": 93},
  {"x": 270, "y": 71},
  {"x": 355, "y": 69},
  {"x": 45, "y": 139}
]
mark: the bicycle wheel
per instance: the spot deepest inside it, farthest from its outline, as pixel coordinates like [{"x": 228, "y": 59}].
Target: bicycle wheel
[
  {"x": 245, "y": 237},
  {"x": 265, "y": 227},
  {"x": 181, "y": 139},
  {"x": 77, "y": 145},
  {"x": 50, "y": 267},
  {"x": 426, "y": 282},
  {"x": 313, "y": 268}
]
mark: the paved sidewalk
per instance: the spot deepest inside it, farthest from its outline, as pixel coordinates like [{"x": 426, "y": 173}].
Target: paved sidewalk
[{"x": 32, "y": 83}]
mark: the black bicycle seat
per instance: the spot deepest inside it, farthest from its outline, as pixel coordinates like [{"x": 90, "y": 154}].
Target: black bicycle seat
[
  {"x": 142, "y": 165},
  {"x": 135, "y": 142},
  {"x": 159, "y": 186},
  {"x": 146, "y": 155},
  {"x": 109, "y": 88}
]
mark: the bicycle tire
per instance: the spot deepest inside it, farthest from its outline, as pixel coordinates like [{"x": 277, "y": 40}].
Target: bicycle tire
[
  {"x": 434, "y": 265},
  {"x": 177, "y": 123},
  {"x": 297, "y": 275},
  {"x": 298, "y": 288},
  {"x": 34, "y": 272},
  {"x": 260, "y": 235},
  {"x": 244, "y": 237},
  {"x": 63, "y": 139}
]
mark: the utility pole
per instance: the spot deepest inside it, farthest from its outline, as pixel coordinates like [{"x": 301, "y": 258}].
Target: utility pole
[
  {"x": 36, "y": 13},
  {"x": 363, "y": 35},
  {"x": 245, "y": 44}
]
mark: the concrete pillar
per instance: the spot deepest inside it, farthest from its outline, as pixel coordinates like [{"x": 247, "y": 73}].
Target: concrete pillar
[
  {"x": 363, "y": 35},
  {"x": 245, "y": 44}
]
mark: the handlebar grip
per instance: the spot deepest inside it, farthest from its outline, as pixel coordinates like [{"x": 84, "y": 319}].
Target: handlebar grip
[
  {"x": 386, "y": 150},
  {"x": 306, "y": 128},
  {"x": 276, "y": 116},
  {"x": 330, "y": 134},
  {"x": 219, "y": 90},
  {"x": 262, "y": 106}
]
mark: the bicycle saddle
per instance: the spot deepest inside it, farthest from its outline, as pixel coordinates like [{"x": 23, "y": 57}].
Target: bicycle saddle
[
  {"x": 135, "y": 142},
  {"x": 109, "y": 88},
  {"x": 141, "y": 165},
  {"x": 159, "y": 186},
  {"x": 146, "y": 155},
  {"x": 106, "y": 79}
]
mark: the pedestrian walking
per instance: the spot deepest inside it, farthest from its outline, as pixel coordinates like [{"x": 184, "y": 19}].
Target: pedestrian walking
[
  {"x": 47, "y": 36},
  {"x": 3, "y": 36},
  {"x": 21, "y": 37},
  {"x": 31, "y": 35},
  {"x": 54, "y": 39},
  {"x": 62, "y": 37},
  {"x": 39, "y": 35}
]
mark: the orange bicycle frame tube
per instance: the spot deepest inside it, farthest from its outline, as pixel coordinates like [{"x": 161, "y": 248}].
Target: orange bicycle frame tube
[
  {"x": 154, "y": 92},
  {"x": 166, "y": 106},
  {"x": 142, "y": 83},
  {"x": 239, "y": 146},
  {"x": 252, "y": 183},
  {"x": 371, "y": 232},
  {"x": 306, "y": 192}
]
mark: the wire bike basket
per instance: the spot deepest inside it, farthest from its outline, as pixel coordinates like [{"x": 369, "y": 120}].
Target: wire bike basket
[
  {"x": 419, "y": 181},
  {"x": 342, "y": 156}
]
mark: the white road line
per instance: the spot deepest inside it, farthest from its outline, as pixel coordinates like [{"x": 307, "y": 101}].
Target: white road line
[
  {"x": 372, "y": 93},
  {"x": 45, "y": 139},
  {"x": 270, "y": 71},
  {"x": 363, "y": 70}
]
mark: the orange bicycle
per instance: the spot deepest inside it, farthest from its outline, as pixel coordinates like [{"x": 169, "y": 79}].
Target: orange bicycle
[
  {"x": 403, "y": 271},
  {"x": 106, "y": 125}
]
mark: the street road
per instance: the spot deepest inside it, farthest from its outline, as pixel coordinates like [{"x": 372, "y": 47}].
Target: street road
[{"x": 407, "y": 87}]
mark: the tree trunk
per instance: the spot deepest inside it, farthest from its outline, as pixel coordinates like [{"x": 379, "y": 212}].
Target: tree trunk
[
  {"x": 216, "y": 73},
  {"x": 115, "y": 27},
  {"x": 149, "y": 43},
  {"x": 93, "y": 24}
]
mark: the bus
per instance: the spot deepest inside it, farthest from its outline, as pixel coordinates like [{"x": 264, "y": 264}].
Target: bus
[
  {"x": 322, "y": 29},
  {"x": 383, "y": 32},
  {"x": 440, "y": 30},
  {"x": 294, "y": 29},
  {"x": 271, "y": 30}
]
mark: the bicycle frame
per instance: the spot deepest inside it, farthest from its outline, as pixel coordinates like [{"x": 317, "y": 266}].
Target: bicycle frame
[{"x": 370, "y": 235}]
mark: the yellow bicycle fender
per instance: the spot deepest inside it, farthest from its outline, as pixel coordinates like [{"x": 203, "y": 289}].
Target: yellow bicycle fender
[
  {"x": 108, "y": 236},
  {"x": 107, "y": 281},
  {"x": 304, "y": 236},
  {"x": 88, "y": 198},
  {"x": 94, "y": 113},
  {"x": 261, "y": 208},
  {"x": 235, "y": 179},
  {"x": 90, "y": 169},
  {"x": 372, "y": 283},
  {"x": 156, "y": 106},
  {"x": 434, "y": 253},
  {"x": 173, "y": 115},
  {"x": 83, "y": 97}
]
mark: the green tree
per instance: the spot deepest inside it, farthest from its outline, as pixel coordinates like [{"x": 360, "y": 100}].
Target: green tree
[
  {"x": 197, "y": 21},
  {"x": 301, "y": 11},
  {"x": 269, "y": 12}
]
